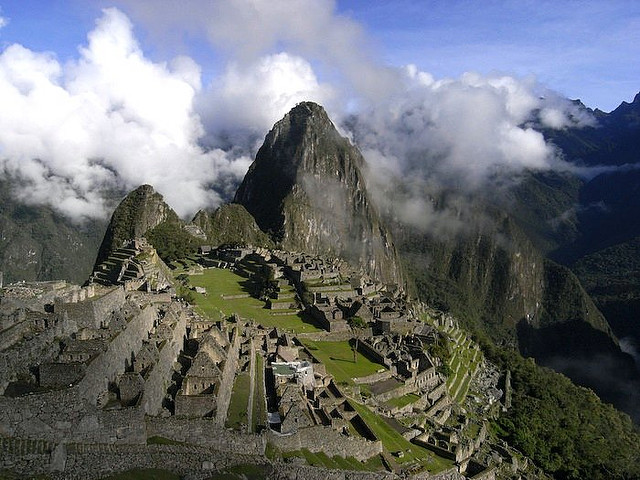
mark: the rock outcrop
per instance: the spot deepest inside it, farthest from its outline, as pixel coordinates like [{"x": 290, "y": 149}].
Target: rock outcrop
[
  {"x": 306, "y": 189},
  {"x": 140, "y": 211},
  {"x": 231, "y": 224}
]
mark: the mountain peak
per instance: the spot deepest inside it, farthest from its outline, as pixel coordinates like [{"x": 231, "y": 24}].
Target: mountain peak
[
  {"x": 306, "y": 189},
  {"x": 307, "y": 110},
  {"x": 307, "y": 114},
  {"x": 140, "y": 211}
]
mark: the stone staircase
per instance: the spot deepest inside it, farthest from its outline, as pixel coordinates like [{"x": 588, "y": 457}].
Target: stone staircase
[
  {"x": 118, "y": 268},
  {"x": 25, "y": 446}
]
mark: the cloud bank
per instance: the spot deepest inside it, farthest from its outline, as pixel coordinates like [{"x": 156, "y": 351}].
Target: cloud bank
[
  {"x": 471, "y": 135},
  {"x": 112, "y": 119}
]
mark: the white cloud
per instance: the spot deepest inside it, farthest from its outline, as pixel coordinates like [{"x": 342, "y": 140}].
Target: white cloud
[
  {"x": 469, "y": 135},
  {"x": 247, "y": 30},
  {"x": 248, "y": 99},
  {"x": 112, "y": 119}
]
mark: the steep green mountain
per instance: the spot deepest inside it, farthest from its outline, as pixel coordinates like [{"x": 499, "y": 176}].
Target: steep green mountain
[
  {"x": 231, "y": 224},
  {"x": 307, "y": 190},
  {"x": 545, "y": 207},
  {"x": 143, "y": 212},
  {"x": 501, "y": 274},
  {"x": 36, "y": 243},
  {"x": 612, "y": 278},
  {"x": 563, "y": 428},
  {"x": 508, "y": 293},
  {"x": 495, "y": 278}
]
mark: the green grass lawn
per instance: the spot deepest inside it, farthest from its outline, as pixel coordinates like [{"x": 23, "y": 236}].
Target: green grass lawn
[
  {"x": 259, "y": 407},
  {"x": 221, "y": 282},
  {"x": 403, "y": 401},
  {"x": 237, "y": 413},
  {"x": 339, "y": 360},
  {"x": 394, "y": 442},
  {"x": 321, "y": 459}
]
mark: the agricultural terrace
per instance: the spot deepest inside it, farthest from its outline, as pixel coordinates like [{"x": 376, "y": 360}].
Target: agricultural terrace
[
  {"x": 320, "y": 459},
  {"x": 395, "y": 443},
  {"x": 465, "y": 360},
  {"x": 229, "y": 293}
]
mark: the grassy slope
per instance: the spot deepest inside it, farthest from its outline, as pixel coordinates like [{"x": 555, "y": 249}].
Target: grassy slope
[
  {"x": 237, "y": 413},
  {"x": 394, "y": 442}
]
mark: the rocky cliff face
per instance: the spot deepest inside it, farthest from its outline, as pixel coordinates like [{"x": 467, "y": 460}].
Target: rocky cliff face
[
  {"x": 140, "y": 211},
  {"x": 493, "y": 275},
  {"x": 306, "y": 189}
]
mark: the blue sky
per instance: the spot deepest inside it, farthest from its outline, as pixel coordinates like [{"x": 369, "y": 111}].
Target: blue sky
[
  {"x": 582, "y": 49},
  {"x": 586, "y": 49}
]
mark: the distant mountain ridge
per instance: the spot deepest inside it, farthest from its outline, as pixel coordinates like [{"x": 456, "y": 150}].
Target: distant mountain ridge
[{"x": 613, "y": 140}]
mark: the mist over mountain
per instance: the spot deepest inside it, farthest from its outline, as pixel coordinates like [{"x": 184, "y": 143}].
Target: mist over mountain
[
  {"x": 479, "y": 255},
  {"x": 70, "y": 130},
  {"x": 37, "y": 242}
]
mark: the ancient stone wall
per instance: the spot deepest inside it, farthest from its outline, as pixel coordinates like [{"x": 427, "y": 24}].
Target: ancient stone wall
[
  {"x": 441, "y": 452},
  {"x": 157, "y": 382},
  {"x": 195, "y": 405},
  {"x": 451, "y": 474},
  {"x": 88, "y": 462},
  {"x": 60, "y": 375},
  {"x": 31, "y": 457},
  {"x": 396, "y": 392},
  {"x": 42, "y": 347},
  {"x": 228, "y": 376},
  {"x": 327, "y": 440},
  {"x": 203, "y": 431},
  {"x": 59, "y": 416},
  {"x": 12, "y": 334},
  {"x": 373, "y": 378},
  {"x": 108, "y": 365},
  {"x": 284, "y": 471},
  {"x": 341, "y": 336},
  {"x": 437, "y": 392},
  {"x": 368, "y": 351},
  {"x": 91, "y": 312}
]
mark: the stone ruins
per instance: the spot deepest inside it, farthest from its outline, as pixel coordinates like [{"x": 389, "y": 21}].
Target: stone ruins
[{"x": 122, "y": 373}]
